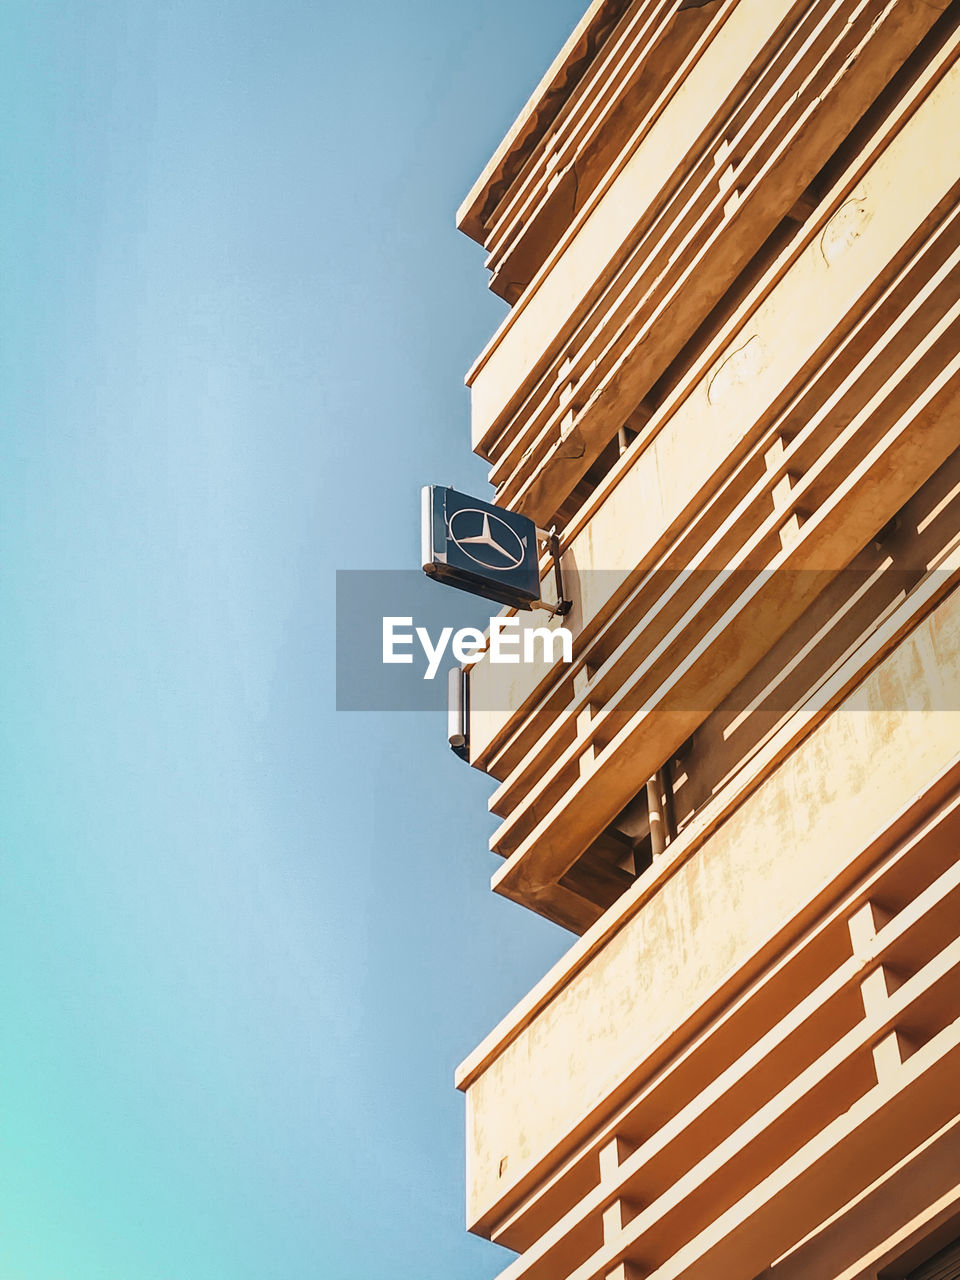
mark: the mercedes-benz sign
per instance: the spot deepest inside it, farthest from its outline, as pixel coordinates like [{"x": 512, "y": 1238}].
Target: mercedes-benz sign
[{"x": 480, "y": 548}]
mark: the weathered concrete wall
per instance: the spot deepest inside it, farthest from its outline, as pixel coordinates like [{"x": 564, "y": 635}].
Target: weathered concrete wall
[
  {"x": 730, "y": 402},
  {"x": 773, "y": 856},
  {"x": 567, "y": 281}
]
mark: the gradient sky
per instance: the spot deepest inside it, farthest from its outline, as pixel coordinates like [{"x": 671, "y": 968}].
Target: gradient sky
[{"x": 244, "y": 940}]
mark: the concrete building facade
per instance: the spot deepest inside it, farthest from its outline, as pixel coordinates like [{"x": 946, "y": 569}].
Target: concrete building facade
[{"x": 729, "y": 378}]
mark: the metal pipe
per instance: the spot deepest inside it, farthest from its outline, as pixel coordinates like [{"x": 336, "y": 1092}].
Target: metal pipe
[
  {"x": 658, "y": 836},
  {"x": 669, "y": 811},
  {"x": 458, "y": 712}
]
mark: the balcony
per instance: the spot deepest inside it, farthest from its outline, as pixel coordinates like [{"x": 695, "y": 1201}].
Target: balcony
[
  {"x": 826, "y": 401},
  {"x": 761, "y": 1028},
  {"x": 715, "y": 166},
  {"x": 611, "y": 73}
]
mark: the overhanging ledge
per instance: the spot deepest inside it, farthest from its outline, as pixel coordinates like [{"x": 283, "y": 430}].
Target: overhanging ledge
[{"x": 539, "y": 113}]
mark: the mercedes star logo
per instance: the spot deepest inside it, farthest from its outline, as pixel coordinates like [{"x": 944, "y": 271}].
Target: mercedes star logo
[{"x": 486, "y": 540}]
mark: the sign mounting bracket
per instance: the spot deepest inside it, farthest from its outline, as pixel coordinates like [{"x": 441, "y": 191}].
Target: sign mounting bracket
[{"x": 551, "y": 539}]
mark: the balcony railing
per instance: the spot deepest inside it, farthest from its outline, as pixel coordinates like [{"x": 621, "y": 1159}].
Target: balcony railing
[
  {"x": 765, "y": 476},
  {"x": 668, "y": 1080},
  {"x": 648, "y": 260}
]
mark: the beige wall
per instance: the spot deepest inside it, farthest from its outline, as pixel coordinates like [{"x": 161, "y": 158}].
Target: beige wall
[
  {"x": 782, "y": 848},
  {"x": 570, "y": 275},
  {"x": 820, "y": 293}
]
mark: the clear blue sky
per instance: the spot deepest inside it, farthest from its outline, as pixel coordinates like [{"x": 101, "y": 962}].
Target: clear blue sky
[{"x": 243, "y": 940}]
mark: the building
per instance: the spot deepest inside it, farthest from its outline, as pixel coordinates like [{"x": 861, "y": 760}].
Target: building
[{"x": 729, "y": 235}]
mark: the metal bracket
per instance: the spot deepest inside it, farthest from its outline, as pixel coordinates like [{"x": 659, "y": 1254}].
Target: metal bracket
[{"x": 563, "y": 606}]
